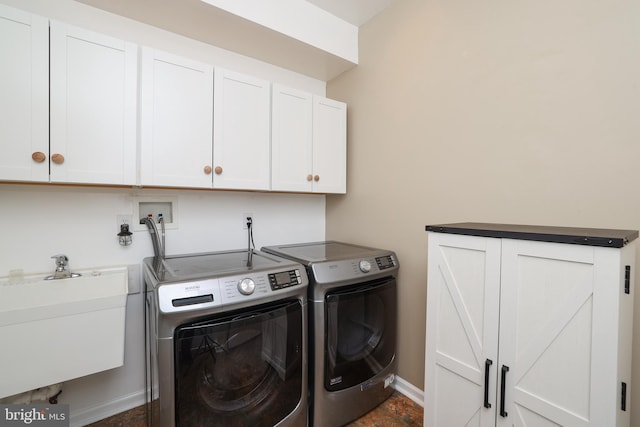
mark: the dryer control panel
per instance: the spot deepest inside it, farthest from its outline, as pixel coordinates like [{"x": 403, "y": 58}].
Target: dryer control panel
[{"x": 329, "y": 272}]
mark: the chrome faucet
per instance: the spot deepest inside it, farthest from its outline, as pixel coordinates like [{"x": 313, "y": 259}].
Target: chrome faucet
[{"x": 61, "y": 268}]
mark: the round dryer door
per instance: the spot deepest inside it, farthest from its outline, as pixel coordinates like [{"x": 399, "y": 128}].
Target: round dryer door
[{"x": 360, "y": 335}]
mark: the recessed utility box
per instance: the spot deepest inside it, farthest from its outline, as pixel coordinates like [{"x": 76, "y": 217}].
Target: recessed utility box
[{"x": 155, "y": 208}]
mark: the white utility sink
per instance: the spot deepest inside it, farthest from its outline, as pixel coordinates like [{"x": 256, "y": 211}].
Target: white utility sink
[{"x": 56, "y": 330}]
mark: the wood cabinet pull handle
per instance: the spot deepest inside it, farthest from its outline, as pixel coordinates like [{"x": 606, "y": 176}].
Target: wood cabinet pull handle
[
  {"x": 57, "y": 158},
  {"x": 39, "y": 157},
  {"x": 218, "y": 170},
  {"x": 316, "y": 178},
  {"x": 309, "y": 177},
  {"x": 207, "y": 170}
]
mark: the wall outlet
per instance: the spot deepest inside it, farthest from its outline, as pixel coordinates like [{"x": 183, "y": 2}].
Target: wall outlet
[{"x": 244, "y": 219}]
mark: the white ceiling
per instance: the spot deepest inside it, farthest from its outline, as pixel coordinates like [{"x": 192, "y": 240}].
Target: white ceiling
[{"x": 356, "y": 12}]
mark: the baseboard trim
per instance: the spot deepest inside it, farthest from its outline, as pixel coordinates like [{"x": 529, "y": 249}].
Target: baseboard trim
[
  {"x": 409, "y": 390},
  {"x": 106, "y": 410}
]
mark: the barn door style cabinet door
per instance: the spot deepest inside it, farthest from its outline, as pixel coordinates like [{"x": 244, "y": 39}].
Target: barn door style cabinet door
[
  {"x": 24, "y": 103},
  {"x": 93, "y": 107},
  {"x": 528, "y": 326}
]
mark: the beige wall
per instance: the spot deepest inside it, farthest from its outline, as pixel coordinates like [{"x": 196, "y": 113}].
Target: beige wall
[{"x": 515, "y": 112}]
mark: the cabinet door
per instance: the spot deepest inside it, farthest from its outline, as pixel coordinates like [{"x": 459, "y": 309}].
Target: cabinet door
[
  {"x": 93, "y": 107},
  {"x": 242, "y": 123},
  {"x": 558, "y": 334},
  {"x": 329, "y": 146},
  {"x": 462, "y": 331},
  {"x": 291, "y": 140},
  {"x": 176, "y": 121},
  {"x": 24, "y": 104}
]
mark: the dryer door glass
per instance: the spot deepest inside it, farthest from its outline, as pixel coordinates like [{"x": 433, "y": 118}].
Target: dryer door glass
[
  {"x": 244, "y": 368},
  {"x": 361, "y": 333}
]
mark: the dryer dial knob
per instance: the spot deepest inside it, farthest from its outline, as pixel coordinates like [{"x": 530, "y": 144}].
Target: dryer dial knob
[
  {"x": 365, "y": 266},
  {"x": 246, "y": 286}
]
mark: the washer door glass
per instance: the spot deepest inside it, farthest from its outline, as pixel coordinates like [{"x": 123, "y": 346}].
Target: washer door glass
[
  {"x": 244, "y": 368},
  {"x": 361, "y": 333}
]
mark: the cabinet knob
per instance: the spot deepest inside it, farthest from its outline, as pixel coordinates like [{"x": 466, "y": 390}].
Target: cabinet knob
[
  {"x": 309, "y": 177},
  {"x": 207, "y": 170},
  {"x": 316, "y": 178},
  {"x": 218, "y": 170},
  {"x": 39, "y": 156},
  {"x": 57, "y": 158}
]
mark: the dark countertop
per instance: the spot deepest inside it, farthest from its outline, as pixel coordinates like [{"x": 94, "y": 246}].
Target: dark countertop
[{"x": 577, "y": 236}]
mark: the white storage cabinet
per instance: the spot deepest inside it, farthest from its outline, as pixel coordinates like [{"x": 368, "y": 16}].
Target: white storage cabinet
[
  {"x": 176, "y": 121},
  {"x": 308, "y": 142},
  {"x": 68, "y": 103},
  {"x": 241, "y": 132},
  {"x": 329, "y": 146},
  {"x": 528, "y": 326},
  {"x": 291, "y": 140},
  {"x": 24, "y": 104},
  {"x": 93, "y": 107}
]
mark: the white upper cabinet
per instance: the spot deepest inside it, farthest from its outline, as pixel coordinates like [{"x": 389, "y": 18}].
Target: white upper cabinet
[
  {"x": 93, "y": 107},
  {"x": 241, "y": 139},
  {"x": 69, "y": 114},
  {"x": 308, "y": 142},
  {"x": 291, "y": 140},
  {"x": 176, "y": 121},
  {"x": 24, "y": 103},
  {"x": 329, "y": 146}
]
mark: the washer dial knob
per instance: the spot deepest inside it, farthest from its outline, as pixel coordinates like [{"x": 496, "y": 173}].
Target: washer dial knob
[
  {"x": 365, "y": 266},
  {"x": 246, "y": 286}
]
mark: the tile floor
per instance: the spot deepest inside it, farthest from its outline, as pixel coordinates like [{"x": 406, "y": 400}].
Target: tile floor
[{"x": 396, "y": 411}]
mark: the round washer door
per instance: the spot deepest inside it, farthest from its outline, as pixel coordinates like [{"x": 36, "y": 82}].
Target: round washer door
[{"x": 240, "y": 368}]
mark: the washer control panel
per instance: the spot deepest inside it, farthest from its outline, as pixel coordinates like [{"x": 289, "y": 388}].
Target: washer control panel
[
  {"x": 189, "y": 296},
  {"x": 284, "y": 279},
  {"x": 246, "y": 286},
  {"x": 224, "y": 291}
]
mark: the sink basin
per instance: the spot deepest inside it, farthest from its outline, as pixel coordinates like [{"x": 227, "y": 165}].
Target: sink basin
[{"x": 56, "y": 330}]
